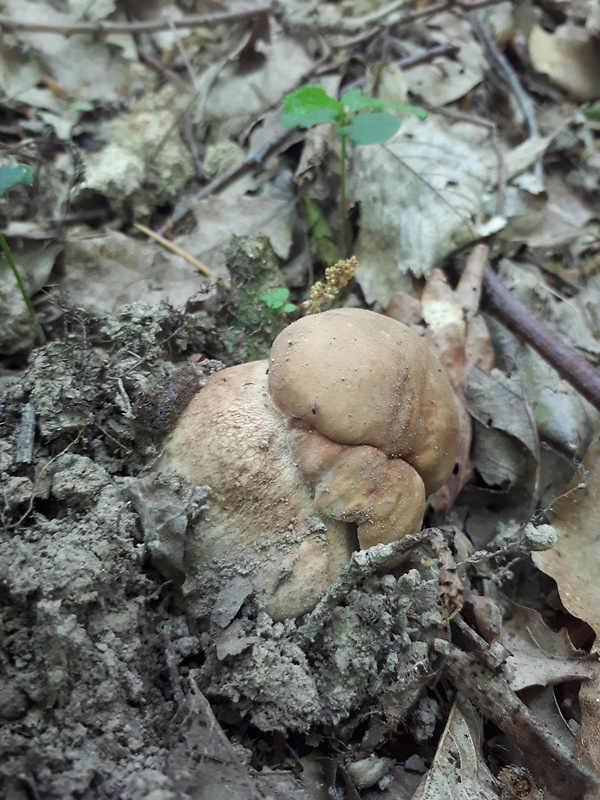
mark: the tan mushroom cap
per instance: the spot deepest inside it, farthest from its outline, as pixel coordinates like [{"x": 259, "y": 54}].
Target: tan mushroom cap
[
  {"x": 360, "y": 378},
  {"x": 384, "y": 497}
]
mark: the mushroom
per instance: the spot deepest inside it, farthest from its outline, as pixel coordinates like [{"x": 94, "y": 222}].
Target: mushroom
[{"x": 330, "y": 445}]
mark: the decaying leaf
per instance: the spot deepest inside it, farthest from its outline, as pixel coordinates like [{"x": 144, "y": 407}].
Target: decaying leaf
[
  {"x": 506, "y": 445},
  {"x": 569, "y": 56},
  {"x": 539, "y": 655},
  {"x": 451, "y": 77},
  {"x": 574, "y": 559},
  {"x": 458, "y": 771},
  {"x": 449, "y": 321},
  {"x": 518, "y": 783},
  {"x": 421, "y": 197},
  {"x": 573, "y": 563},
  {"x": 112, "y": 269}
]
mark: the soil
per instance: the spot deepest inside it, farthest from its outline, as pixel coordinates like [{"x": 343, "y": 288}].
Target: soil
[{"x": 108, "y": 655}]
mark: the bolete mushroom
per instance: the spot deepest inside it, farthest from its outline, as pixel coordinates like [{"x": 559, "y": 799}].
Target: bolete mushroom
[{"x": 331, "y": 444}]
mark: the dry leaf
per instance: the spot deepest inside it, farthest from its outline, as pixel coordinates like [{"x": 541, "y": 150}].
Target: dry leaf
[
  {"x": 220, "y": 218},
  {"x": 487, "y": 616},
  {"x": 574, "y": 561},
  {"x": 421, "y": 197},
  {"x": 101, "y": 73},
  {"x": 539, "y": 655},
  {"x": 506, "y": 450},
  {"x": 569, "y": 56},
  {"x": 458, "y": 771},
  {"x": 111, "y": 270},
  {"x": 446, "y": 78},
  {"x": 588, "y": 736},
  {"x": 460, "y": 339}
]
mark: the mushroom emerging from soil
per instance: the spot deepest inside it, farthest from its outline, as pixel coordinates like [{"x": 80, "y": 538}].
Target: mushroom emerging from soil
[{"x": 330, "y": 445}]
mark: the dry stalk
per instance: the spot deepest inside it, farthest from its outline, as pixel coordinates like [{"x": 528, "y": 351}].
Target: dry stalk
[{"x": 336, "y": 277}]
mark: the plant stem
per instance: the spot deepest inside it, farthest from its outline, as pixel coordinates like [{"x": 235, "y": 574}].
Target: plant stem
[
  {"x": 35, "y": 323},
  {"x": 343, "y": 201}
]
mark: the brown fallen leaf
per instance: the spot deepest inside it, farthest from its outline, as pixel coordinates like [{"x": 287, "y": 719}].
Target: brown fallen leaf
[
  {"x": 569, "y": 57},
  {"x": 459, "y": 338},
  {"x": 574, "y": 563},
  {"x": 539, "y": 655}
]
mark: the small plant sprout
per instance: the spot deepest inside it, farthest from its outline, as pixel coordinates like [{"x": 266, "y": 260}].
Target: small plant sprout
[
  {"x": 10, "y": 175},
  {"x": 355, "y": 117},
  {"x": 277, "y": 301}
]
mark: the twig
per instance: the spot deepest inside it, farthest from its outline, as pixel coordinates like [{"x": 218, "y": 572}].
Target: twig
[
  {"x": 519, "y": 319},
  {"x": 178, "y": 251},
  {"x": 547, "y": 758},
  {"x": 253, "y": 159},
  {"x": 510, "y": 77},
  {"x": 394, "y": 14},
  {"x": 160, "y": 67},
  {"x": 413, "y": 61},
  {"x": 427, "y": 55},
  {"x": 151, "y": 26}
]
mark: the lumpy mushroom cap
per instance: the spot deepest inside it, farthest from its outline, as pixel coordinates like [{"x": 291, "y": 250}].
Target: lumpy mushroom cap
[
  {"x": 384, "y": 497},
  {"x": 360, "y": 378}
]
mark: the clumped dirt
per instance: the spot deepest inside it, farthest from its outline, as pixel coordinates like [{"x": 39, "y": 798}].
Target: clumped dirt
[{"x": 106, "y": 656}]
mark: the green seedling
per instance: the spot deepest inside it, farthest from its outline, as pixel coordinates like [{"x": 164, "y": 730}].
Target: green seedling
[
  {"x": 592, "y": 112},
  {"x": 355, "y": 117},
  {"x": 277, "y": 301},
  {"x": 10, "y": 175}
]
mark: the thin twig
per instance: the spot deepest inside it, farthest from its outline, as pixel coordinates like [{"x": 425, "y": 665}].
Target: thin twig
[
  {"x": 394, "y": 14},
  {"x": 427, "y": 55},
  {"x": 150, "y": 26},
  {"x": 519, "y": 319},
  {"x": 170, "y": 74},
  {"x": 253, "y": 159},
  {"x": 413, "y": 61},
  {"x": 504, "y": 69},
  {"x": 178, "y": 251}
]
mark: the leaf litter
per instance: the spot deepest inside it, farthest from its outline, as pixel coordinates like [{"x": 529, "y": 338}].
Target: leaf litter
[{"x": 116, "y": 680}]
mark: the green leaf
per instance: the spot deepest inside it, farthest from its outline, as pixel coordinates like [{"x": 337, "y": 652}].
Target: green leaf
[
  {"x": 289, "y": 307},
  {"x": 275, "y": 299},
  {"x": 309, "y": 118},
  {"x": 373, "y": 128},
  {"x": 355, "y": 100},
  {"x": 307, "y": 99},
  {"x": 11, "y": 174},
  {"x": 593, "y": 111},
  {"x": 418, "y": 112},
  {"x": 309, "y": 105}
]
